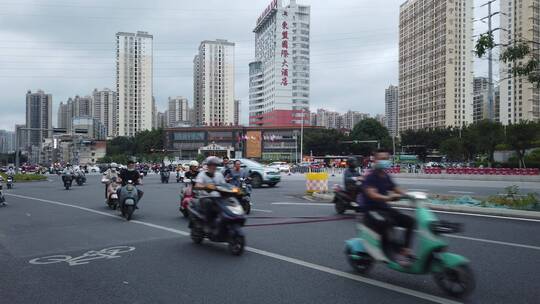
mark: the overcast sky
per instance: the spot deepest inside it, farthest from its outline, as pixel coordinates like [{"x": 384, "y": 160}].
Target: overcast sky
[{"x": 67, "y": 48}]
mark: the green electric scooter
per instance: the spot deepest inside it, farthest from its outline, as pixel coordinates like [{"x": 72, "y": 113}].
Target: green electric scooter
[{"x": 451, "y": 272}]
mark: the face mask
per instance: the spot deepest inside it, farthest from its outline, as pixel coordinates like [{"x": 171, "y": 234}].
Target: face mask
[{"x": 383, "y": 164}]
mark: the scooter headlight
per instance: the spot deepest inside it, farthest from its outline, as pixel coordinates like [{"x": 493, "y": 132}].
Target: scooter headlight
[{"x": 236, "y": 209}]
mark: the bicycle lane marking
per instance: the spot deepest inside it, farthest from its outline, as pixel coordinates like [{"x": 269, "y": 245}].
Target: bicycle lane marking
[{"x": 324, "y": 269}]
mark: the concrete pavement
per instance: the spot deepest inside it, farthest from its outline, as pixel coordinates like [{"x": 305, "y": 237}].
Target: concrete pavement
[{"x": 300, "y": 263}]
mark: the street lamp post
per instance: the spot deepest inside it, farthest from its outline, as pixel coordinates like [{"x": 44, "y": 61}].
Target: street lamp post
[{"x": 302, "y": 136}]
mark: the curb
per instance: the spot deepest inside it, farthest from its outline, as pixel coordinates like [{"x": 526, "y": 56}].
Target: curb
[{"x": 535, "y": 215}]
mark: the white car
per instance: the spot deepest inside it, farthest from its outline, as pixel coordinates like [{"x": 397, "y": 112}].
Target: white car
[
  {"x": 281, "y": 166},
  {"x": 93, "y": 169}
]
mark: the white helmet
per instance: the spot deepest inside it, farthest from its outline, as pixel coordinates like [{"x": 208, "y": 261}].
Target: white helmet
[
  {"x": 114, "y": 165},
  {"x": 193, "y": 163}
]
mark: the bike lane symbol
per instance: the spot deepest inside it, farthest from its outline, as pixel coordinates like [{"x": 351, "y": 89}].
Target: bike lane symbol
[{"x": 87, "y": 257}]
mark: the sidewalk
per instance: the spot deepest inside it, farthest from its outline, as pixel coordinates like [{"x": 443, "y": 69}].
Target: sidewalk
[{"x": 535, "y": 215}]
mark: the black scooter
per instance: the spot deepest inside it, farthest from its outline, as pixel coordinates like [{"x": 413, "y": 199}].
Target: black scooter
[
  {"x": 245, "y": 195},
  {"x": 165, "y": 176},
  {"x": 343, "y": 200},
  {"x": 226, "y": 226},
  {"x": 68, "y": 180},
  {"x": 80, "y": 179},
  {"x": 9, "y": 182}
]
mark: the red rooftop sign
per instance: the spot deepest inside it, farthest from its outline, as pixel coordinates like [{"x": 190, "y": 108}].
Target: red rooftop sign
[{"x": 267, "y": 11}]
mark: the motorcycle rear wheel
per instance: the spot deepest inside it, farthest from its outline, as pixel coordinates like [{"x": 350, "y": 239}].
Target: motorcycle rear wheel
[{"x": 339, "y": 206}]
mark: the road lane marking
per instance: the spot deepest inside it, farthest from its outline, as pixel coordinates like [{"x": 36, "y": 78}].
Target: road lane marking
[
  {"x": 461, "y": 192},
  {"x": 304, "y": 204},
  {"x": 477, "y": 215},
  {"x": 298, "y": 262},
  {"x": 263, "y": 210},
  {"x": 492, "y": 242}
]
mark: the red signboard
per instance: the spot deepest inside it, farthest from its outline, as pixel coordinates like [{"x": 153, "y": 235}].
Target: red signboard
[{"x": 267, "y": 11}]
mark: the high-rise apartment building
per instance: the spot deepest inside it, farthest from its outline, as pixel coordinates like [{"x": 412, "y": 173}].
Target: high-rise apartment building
[
  {"x": 7, "y": 141},
  {"x": 391, "y": 103},
  {"x": 351, "y": 118},
  {"x": 38, "y": 116},
  {"x": 134, "y": 82},
  {"x": 435, "y": 64},
  {"x": 74, "y": 107},
  {"x": 178, "y": 110},
  {"x": 519, "y": 98},
  {"x": 237, "y": 104},
  {"x": 279, "y": 77},
  {"x": 213, "y": 83},
  {"x": 106, "y": 110}
]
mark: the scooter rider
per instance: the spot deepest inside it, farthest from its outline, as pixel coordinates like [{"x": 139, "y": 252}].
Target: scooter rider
[
  {"x": 379, "y": 189},
  {"x": 68, "y": 170},
  {"x": 351, "y": 176},
  {"x": 131, "y": 174},
  {"x": 193, "y": 170},
  {"x": 226, "y": 166},
  {"x": 10, "y": 172},
  {"x": 206, "y": 182},
  {"x": 235, "y": 174},
  {"x": 108, "y": 176}
]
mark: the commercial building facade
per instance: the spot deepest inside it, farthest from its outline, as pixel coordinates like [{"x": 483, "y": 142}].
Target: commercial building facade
[
  {"x": 7, "y": 141},
  {"x": 520, "y": 99},
  {"x": 279, "y": 77},
  {"x": 391, "y": 104},
  {"x": 134, "y": 82},
  {"x": 213, "y": 83},
  {"x": 435, "y": 64},
  {"x": 262, "y": 143}
]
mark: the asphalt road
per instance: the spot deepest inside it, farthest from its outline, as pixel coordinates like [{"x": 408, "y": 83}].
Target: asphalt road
[{"x": 288, "y": 260}]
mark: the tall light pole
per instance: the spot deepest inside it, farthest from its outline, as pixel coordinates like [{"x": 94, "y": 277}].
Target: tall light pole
[{"x": 302, "y": 136}]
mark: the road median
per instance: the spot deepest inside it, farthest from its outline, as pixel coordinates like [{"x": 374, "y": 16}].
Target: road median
[{"x": 502, "y": 212}]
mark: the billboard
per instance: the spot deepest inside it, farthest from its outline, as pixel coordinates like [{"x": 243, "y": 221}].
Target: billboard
[{"x": 253, "y": 144}]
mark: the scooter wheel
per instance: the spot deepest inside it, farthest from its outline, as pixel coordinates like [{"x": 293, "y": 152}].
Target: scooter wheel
[
  {"x": 196, "y": 236},
  {"x": 339, "y": 206},
  {"x": 362, "y": 264},
  {"x": 184, "y": 213},
  {"x": 236, "y": 244},
  {"x": 457, "y": 281}
]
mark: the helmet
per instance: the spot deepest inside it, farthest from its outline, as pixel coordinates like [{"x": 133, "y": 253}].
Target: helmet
[
  {"x": 351, "y": 162},
  {"x": 114, "y": 165},
  {"x": 212, "y": 160},
  {"x": 193, "y": 163}
]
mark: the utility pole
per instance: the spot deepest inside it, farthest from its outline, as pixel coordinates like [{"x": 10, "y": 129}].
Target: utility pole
[{"x": 491, "y": 108}]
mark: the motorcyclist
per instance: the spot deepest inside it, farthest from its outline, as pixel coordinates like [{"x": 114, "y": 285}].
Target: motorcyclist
[
  {"x": 108, "y": 176},
  {"x": 2, "y": 199},
  {"x": 235, "y": 174},
  {"x": 10, "y": 171},
  {"x": 379, "y": 189},
  {"x": 206, "y": 182},
  {"x": 226, "y": 166},
  {"x": 68, "y": 170},
  {"x": 131, "y": 174},
  {"x": 351, "y": 176},
  {"x": 193, "y": 170}
]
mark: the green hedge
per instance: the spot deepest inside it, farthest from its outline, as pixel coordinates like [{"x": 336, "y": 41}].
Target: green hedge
[{"x": 26, "y": 177}]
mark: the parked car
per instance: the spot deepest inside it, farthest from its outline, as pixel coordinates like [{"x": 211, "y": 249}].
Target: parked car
[
  {"x": 281, "y": 166},
  {"x": 259, "y": 174}
]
